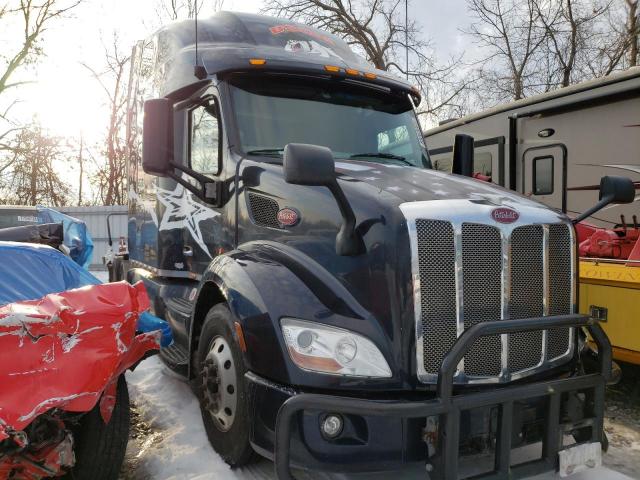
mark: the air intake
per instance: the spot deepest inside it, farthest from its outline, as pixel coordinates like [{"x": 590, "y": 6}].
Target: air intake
[{"x": 263, "y": 210}]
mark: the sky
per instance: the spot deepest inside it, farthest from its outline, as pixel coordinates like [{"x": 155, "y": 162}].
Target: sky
[{"x": 68, "y": 101}]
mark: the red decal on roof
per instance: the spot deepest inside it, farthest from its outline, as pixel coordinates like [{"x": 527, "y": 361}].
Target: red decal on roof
[{"x": 279, "y": 29}]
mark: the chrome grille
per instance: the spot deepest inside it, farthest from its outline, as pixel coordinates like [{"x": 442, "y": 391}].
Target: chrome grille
[
  {"x": 482, "y": 294},
  {"x": 437, "y": 274},
  {"x": 559, "y": 287},
  {"x": 527, "y": 292},
  {"x": 467, "y": 271}
]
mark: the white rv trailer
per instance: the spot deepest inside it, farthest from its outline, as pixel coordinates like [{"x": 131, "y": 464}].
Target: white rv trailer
[{"x": 543, "y": 145}]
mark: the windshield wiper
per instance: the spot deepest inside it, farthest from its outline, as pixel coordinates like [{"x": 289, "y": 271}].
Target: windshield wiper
[
  {"x": 272, "y": 152},
  {"x": 389, "y": 156}
]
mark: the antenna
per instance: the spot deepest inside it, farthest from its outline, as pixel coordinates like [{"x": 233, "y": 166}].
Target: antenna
[{"x": 198, "y": 70}]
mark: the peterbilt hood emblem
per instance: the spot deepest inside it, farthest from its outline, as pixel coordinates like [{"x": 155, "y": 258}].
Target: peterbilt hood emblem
[
  {"x": 288, "y": 217},
  {"x": 504, "y": 215}
]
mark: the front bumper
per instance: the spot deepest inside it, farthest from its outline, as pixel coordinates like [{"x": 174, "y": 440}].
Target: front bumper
[{"x": 388, "y": 434}]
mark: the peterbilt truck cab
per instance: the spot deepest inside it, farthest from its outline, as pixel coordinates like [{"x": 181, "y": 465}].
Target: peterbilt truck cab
[{"x": 336, "y": 303}]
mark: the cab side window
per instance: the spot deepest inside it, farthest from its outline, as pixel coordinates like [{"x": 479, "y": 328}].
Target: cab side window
[{"x": 204, "y": 136}]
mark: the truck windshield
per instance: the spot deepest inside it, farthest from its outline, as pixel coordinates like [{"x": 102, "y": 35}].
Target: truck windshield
[{"x": 354, "y": 122}]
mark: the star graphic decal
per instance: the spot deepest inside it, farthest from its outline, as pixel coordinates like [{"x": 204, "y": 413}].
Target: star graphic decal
[{"x": 182, "y": 211}]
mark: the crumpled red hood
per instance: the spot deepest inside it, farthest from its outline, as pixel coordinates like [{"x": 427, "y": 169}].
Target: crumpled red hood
[{"x": 66, "y": 349}]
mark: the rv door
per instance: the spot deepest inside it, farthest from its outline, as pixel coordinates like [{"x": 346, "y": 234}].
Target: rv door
[{"x": 543, "y": 175}]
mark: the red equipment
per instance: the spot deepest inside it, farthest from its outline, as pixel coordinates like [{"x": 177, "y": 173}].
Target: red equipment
[{"x": 620, "y": 243}]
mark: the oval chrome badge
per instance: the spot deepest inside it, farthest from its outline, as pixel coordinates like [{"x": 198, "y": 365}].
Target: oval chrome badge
[
  {"x": 504, "y": 215},
  {"x": 546, "y": 133},
  {"x": 288, "y": 217}
]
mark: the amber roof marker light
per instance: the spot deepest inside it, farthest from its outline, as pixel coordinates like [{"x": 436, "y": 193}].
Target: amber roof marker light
[
  {"x": 257, "y": 61},
  {"x": 332, "y": 68}
]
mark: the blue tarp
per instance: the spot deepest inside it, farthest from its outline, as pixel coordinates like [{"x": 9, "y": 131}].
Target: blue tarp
[
  {"x": 29, "y": 272},
  {"x": 149, "y": 323},
  {"x": 76, "y": 236}
]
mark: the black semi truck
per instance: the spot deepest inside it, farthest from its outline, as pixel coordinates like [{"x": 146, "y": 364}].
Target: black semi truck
[{"x": 338, "y": 304}]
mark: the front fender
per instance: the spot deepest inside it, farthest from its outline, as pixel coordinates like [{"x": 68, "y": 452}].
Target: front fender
[{"x": 263, "y": 282}]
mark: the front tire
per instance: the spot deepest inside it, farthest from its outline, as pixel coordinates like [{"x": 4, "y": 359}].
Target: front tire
[
  {"x": 224, "y": 403},
  {"x": 100, "y": 448}
]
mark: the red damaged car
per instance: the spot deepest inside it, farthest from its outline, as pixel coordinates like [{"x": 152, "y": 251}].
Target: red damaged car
[{"x": 65, "y": 342}]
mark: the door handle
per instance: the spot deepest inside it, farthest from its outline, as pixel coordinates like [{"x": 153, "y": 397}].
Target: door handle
[{"x": 187, "y": 251}]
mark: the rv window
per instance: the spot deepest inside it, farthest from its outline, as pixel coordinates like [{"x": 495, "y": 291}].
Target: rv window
[
  {"x": 543, "y": 175},
  {"x": 444, "y": 164},
  {"x": 482, "y": 162},
  {"x": 204, "y": 135}
]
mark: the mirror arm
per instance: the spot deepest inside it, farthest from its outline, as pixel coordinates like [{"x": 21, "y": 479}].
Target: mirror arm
[
  {"x": 348, "y": 242},
  {"x": 211, "y": 195},
  {"x": 192, "y": 173},
  {"x": 192, "y": 188},
  {"x": 598, "y": 206}
]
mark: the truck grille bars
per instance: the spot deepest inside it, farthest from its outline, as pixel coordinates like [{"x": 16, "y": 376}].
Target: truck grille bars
[{"x": 468, "y": 269}]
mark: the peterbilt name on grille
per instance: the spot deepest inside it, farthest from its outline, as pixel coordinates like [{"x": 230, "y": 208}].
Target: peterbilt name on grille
[{"x": 504, "y": 215}]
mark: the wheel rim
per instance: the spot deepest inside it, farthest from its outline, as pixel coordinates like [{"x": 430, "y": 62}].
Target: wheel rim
[{"x": 219, "y": 382}]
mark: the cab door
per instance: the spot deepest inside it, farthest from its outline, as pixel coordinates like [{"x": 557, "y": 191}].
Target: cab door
[
  {"x": 543, "y": 177},
  {"x": 203, "y": 232}
]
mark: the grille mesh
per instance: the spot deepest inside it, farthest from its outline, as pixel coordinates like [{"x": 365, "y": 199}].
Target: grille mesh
[
  {"x": 482, "y": 294},
  {"x": 481, "y": 258},
  {"x": 527, "y": 291},
  {"x": 436, "y": 259},
  {"x": 264, "y": 210},
  {"x": 559, "y": 287}
]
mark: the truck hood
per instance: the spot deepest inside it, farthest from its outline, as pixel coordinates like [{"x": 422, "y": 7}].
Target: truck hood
[{"x": 412, "y": 184}]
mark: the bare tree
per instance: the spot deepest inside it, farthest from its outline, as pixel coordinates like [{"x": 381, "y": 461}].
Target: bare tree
[
  {"x": 616, "y": 42},
  {"x": 32, "y": 175},
  {"x": 169, "y": 10},
  {"x": 633, "y": 31},
  {"x": 570, "y": 28},
  {"x": 34, "y": 17},
  {"x": 507, "y": 31},
  {"x": 22, "y": 25},
  {"x": 110, "y": 177},
  {"x": 377, "y": 29}
]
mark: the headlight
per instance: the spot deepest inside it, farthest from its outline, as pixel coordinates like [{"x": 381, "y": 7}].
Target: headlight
[{"x": 321, "y": 348}]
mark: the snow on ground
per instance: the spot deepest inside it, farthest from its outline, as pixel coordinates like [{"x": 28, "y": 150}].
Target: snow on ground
[{"x": 173, "y": 444}]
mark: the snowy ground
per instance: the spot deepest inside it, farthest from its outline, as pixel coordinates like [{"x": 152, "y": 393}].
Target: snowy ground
[{"x": 169, "y": 441}]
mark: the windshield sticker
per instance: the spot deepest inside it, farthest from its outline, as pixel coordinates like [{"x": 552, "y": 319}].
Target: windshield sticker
[
  {"x": 280, "y": 29},
  {"x": 308, "y": 46}
]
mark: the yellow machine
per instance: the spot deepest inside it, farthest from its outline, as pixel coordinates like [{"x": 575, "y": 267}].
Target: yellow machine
[{"x": 610, "y": 290}]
